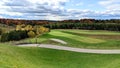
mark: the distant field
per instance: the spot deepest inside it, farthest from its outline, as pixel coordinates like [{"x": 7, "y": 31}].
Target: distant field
[
  {"x": 28, "y": 57},
  {"x": 82, "y": 38}
]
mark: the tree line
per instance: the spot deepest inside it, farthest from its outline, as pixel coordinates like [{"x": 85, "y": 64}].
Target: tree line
[
  {"x": 43, "y": 22},
  {"x": 91, "y": 24},
  {"x": 13, "y": 22},
  {"x": 88, "y": 26}
]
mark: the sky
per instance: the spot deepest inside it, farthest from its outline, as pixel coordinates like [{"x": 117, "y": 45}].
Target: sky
[{"x": 59, "y": 9}]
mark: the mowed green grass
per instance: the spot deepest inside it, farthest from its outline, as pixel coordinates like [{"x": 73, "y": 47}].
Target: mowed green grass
[
  {"x": 93, "y": 32},
  {"x": 83, "y": 38},
  {"x": 32, "y": 57}
]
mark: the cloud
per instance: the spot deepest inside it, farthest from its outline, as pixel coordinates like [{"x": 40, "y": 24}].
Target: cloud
[
  {"x": 54, "y": 10},
  {"x": 17, "y": 3},
  {"x": 32, "y": 8},
  {"x": 79, "y": 4},
  {"x": 77, "y": 14},
  {"x": 110, "y": 4}
]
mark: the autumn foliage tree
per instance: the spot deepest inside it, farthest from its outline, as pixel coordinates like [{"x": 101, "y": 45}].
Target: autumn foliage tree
[
  {"x": 23, "y": 31},
  {"x": 31, "y": 34}
]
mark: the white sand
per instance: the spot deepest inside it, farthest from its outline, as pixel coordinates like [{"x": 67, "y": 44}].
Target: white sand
[{"x": 58, "y": 40}]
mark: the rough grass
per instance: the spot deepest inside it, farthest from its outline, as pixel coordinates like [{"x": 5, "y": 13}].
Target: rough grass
[{"x": 22, "y": 57}]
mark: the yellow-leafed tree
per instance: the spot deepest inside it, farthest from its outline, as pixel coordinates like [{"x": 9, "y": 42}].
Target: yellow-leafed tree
[
  {"x": 18, "y": 27},
  {"x": 31, "y": 34},
  {"x": 40, "y": 30},
  {"x": 29, "y": 27}
]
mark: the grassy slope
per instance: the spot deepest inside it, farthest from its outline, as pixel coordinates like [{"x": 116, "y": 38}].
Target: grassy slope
[
  {"x": 83, "y": 38},
  {"x": 21, "y": 57}
]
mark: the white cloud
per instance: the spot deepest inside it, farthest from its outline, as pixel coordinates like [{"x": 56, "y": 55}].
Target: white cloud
[
  {"x": 110, "y": 4},
  {"x": 32, "y": 7},
  {"x": 79, "y": 4},
  {"x": 54, "y": 9}
]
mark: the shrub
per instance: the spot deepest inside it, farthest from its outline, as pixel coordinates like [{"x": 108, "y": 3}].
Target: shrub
[
  {"x": 23, "y": 34},
  {"x": 14, "y": 36},
  {"x": 4, "y": 37},
  {"x": 0, "y": 31},
  {"x": 31, "y": 34}
]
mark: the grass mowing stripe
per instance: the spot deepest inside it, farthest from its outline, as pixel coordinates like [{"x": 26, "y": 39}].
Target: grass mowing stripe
[
  {"x": 93, "y": 32},
  {"x": 75, "y": 37}
]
